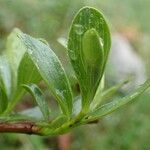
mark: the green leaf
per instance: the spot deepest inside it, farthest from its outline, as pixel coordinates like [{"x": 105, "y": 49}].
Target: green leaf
[
  {"x": 92, "y": 58},
  {"x": 3, "y": 101},
  {"x": 50, "y": 70},
  {"x": 107, "y": 94},
  {"x": 77, "y": 105},
  {"x": 14, "y": 52},
  {"x": 55, "y": 125},
  {"x": 15, "y": 118},
  {"x": 26, "y": 73},
  {"x": 112, "y": 106},
  {"x": 88, "y": 48},
  {"x": 5, "y": 76},
  {"x": 39, "y": 98},
  {"x": 34, "y": 112},
  {"x": 58, "y": 122}
]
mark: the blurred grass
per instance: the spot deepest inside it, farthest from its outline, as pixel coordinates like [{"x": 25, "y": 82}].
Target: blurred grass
[{"x": 126, "y": 129}]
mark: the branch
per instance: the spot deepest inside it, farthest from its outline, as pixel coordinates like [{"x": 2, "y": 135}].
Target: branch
[{"x": 21, "y": 127}]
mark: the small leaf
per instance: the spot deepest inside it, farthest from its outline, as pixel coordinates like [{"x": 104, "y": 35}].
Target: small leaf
[
  {"x": 39, "y": 98},
  {"x": 26, "y": 73},
  {"x": 34, "y": 112},
  {"x": 5, "y": 76},
  {"x": 112, "y": 106},
  {"x": 3, "y": 101},
  {"x": 15, "y": 118},
  {"x": 51, "y": 70},
  {"x": 107, "y": 94},
  {"x": 58, "y": 122},
  {"x": 92, "y": 60},
  {"x": 14, "y": 52},
  {"x": 54, "y": 125},
  {"x": 77, "y": 105},
  {"x": 88, "y": 48}
]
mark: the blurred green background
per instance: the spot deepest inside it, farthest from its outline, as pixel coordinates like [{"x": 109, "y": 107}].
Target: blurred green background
[{"x": 126, "y": 129}]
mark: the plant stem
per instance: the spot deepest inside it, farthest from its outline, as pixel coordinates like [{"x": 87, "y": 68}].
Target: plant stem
[{"x": 19, "y": 127}]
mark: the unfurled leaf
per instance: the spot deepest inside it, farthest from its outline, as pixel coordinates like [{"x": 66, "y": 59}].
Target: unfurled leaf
[
  {"x": 39, "y": 98},
  {"x": 51, "y": 70},
  {"x": 88, "y": 48},
  {"x": 112, "y": 106}
]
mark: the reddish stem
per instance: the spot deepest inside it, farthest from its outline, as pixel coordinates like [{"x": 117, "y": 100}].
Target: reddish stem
[{"x": 21, "y": 127}]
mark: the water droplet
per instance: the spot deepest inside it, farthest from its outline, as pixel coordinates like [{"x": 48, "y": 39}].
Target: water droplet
[
  {"x": 73, "y": 55},
  {"x": 92, "y": 16},
  {"x": 59, "y": 93},
  {"x": 101, "y": 41},
  {"x": 78, "y": 29}
]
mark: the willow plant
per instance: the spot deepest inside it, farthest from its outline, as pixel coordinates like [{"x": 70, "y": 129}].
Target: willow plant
[{"x": 27, "y": 60}]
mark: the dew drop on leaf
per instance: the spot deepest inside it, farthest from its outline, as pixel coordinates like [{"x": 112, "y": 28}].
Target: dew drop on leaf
[
  {"x": 101, "y": 20},
  {"x": 101, "y": 42},
  {"x": 73, "y": 55},
  {"x": 78, "y": 29}
]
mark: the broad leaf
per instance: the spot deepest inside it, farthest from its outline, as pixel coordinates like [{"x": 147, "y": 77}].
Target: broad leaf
[
  {"x": 112, "y": 106},
  {"x": 88, "y": 48},
  {"x": 51, "y": 70},
  {"x": 39, "y": 98}
]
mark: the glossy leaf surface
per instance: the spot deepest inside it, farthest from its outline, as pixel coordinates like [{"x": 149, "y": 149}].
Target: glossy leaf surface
[
  {"x": 14, "y": 52},
  {"x": 27, "y": 71},
  {"x": 39, "y": 98},
  {"x": 5, "y": 76},
  {"x": 88, "y": 48},
  {"x": 112, "y": 106},
  {"x": 51, "y": 70},
  {"x": 3, "y": 101},
  {"x": 107, "y": 94}
]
